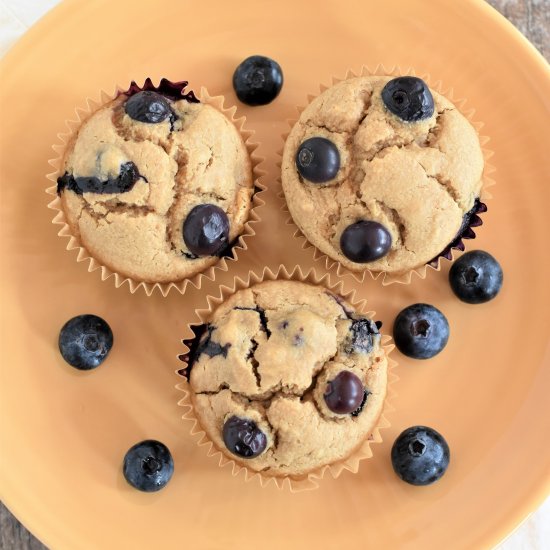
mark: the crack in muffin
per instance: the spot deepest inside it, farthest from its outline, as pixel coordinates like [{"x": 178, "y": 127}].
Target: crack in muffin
[
  {"x": 129, "y": 185},
  {"x": 420, "y": 180},
  {"x": 265, "y": 363}
]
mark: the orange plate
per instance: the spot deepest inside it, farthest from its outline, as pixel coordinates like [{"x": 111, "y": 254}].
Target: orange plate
[{"x": 64, "y": 433}]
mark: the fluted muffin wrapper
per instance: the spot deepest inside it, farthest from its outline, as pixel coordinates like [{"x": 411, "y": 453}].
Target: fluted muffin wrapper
[
  {"x": 311, "y": 479},
  {"x": 174, "y": 89},
  {"x": 458, "y": 243}
]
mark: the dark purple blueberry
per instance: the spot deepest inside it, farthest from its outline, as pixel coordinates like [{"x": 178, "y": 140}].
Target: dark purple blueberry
[
  {"x": 149, "y": 107},
  {"x": 476, "y": 277},
  {"x": 258, "y": 80},
  {"x": 85, "y": 341},
  {"x": 206, "y": 230},
  {"x": 409, "y": 98},
  {"x": 345, "y": 393},
  {"x": 123, "y": 183},
  {"x": 148, "y": 466},
  {"x": 318, "y": 160},
  {"x": 420, "y": 455},
  {"x": 243, "y": 437},
  {"x": 365, "y": 241},
  {"x": 420, "y": 331}
]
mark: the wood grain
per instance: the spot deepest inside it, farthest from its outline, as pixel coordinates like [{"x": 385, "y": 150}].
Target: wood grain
[{"x": 531, "y": 17}]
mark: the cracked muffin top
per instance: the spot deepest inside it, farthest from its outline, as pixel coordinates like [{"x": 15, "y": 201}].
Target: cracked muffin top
[
  {"x": 156, "y": 187},
  {"x": 382, "y": 173},
  {"x": 286, "y": 377}
]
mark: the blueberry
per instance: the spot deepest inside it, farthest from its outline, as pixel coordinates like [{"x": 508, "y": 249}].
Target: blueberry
[
  {"x": 85, "y": 341},
  {"x": 318, "y": 160},
  {"x": 420, "y": 455},
  {"x": 420, "y": 331},
  {"x": 149, "y": 107},
  {"x": 409, "y": 98},
  {"x": 365, "y": 241},
  {"x": 148, "y": 466},
  {"x": 361, "y": 337},
  {"x": 476, "y": 277},
  {"x": 258, "y": 80},
  {"x": 345, "y": 393},
  {"x": 123, "y": 183},
  {"x": 206, "y": 230},
  {"x": 243, "y": 437}
]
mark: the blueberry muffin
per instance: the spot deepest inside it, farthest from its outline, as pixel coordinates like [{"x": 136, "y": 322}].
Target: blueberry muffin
[
  {"x": 156, "y": 185},
  {"x": 286, "y": 377},
  {"x": 382, "y": 173}
]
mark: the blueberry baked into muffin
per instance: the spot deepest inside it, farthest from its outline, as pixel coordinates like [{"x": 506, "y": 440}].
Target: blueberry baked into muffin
[
  {"x": 156, "y": 185},
  {"x": 286, "y": 377},
  {"x": 383, "y": 173}
]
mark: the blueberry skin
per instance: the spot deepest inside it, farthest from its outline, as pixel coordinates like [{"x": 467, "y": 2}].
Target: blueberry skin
[
  {"x": 409, "y": 98},
  {"x": 149, "y": 107},
  {"x": 420, "y": 331},
  {"x": 258, "y": 80},
  {"x": 148, "y": 466},
  {"x": 420, "y": 455},
  {"x": 345, "y": 393},
  {"x": 243, "y": 437},
  {"x": 476, "y": 277},
  {"x": 85, "y": 341},
  {"x": 318, "y": 160},
  {"x": 206, "y": 230},
  {"x": 365, "y": 241}
]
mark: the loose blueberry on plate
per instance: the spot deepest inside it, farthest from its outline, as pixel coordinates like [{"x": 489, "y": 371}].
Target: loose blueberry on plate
[
  {"x": 420, "y": 331},
  {"x": 420, "y": 455},
  {"x": 206, "y": 230},
  {"x": 365, "y": 241},
  {"x": 318, "y": 160},
  {"x": 85, "y": 341},
  {"x": 258, "y": 80},
  {"x": 149, "y": 107},
  {"x": 345, "y": 393},
  {"x": 243, "y": 437},
  {"x": 476, "y": 277},
  {"x": 409, "y": 98},
  {"x": 148, "y": 466}
]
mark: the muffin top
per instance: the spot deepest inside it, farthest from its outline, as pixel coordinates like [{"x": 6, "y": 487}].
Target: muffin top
[
  {"x": 397, "y": 180},
  {"x": 156, "y": 188},
  {"x": 287, "y": 377}
]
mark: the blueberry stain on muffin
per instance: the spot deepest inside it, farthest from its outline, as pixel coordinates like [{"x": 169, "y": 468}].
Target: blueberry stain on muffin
[
  {"x": 122, "y": 183},
  {"x": 363, "y": 335}
]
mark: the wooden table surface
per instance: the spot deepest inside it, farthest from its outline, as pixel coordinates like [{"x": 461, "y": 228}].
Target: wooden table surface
[{"x": 532, "y": 18}]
